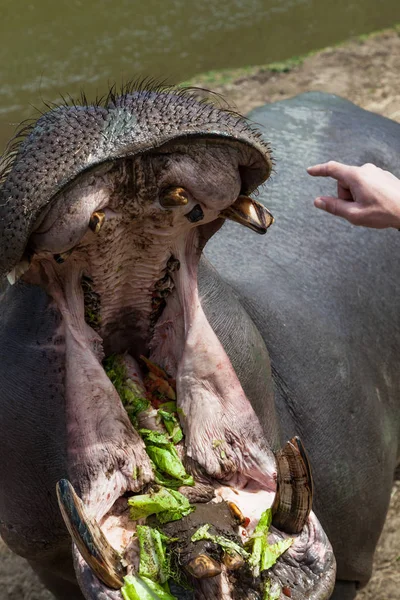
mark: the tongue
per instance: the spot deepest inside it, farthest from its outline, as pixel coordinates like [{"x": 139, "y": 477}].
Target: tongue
[{"x": 222, "y": 431}]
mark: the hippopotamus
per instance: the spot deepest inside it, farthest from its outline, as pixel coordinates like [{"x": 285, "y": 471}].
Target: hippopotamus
[{"x": 128, "y": 228}]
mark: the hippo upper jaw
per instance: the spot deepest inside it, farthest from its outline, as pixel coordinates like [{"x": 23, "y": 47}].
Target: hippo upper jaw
[{"x": 117, "y": 251}]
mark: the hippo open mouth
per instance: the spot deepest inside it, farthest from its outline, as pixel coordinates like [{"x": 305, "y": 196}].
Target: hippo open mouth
[{"x": 115, "y": 239}]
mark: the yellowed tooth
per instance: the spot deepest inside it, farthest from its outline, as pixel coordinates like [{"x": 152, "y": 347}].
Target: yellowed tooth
[
  {"x": 250, "y": 213},
  {"x": 96, "y": 221},
  {"x": 233, "y": 561},
  {"x": 203, "y": 567},
  {"x": 294, "y": 491},
  {"x": 104, "y": 561},
  {"x": 174, "y": 196},
  {"x": 17, "y": 272}
]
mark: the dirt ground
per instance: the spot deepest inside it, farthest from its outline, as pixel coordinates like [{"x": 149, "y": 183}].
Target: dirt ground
[{"x": 365, "y": 71}]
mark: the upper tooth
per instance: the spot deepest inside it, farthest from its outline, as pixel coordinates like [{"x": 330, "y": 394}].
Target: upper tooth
[
  {"x": 249, "y": 213},
  {"x": 96, "y": 221},
  {"x": 18, "y": 271},
  {"x": 90, "y": 540}
]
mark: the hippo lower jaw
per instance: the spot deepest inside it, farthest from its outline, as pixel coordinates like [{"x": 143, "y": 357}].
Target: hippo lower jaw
[{"x": 132, "y": 256}]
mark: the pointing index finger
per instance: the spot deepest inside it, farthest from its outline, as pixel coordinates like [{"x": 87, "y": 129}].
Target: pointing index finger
[{"x": 330, "y": 169}]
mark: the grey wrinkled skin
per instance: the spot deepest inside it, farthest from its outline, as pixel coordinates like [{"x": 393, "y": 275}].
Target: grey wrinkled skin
[
  {"x": 320, "y": 294},
  {"x": 324, "y": 296}
]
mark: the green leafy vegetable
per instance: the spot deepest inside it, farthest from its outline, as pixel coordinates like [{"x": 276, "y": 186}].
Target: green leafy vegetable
[
  {"x": 171, "y": 424},
  {"x": 228, "y": 545},
  {"x": 142, "y": 588},
  {"x": 272, "y": 591},
  {"x": 264, "y": 556},
  {"x": 271, "y": 554},
  {"x": 259, "y": 539},
  {"x": 153, "y": 562},
  {"x": 164, "y": 456},
  {"x": 168, "y": 505},
  {"x": 131, "y": 394}
]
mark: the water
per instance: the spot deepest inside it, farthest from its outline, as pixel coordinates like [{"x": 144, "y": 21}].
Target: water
[{"x": 50, "y": 48}]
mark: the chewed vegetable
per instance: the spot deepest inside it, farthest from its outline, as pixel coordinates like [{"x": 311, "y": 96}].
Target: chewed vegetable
[
  {"x": 153, "y": 561},
  {"x": 168, "y": 505},
  {"x": 226, "y": 544},
  {"x": 272, "y": 591},
  {"x": 263, "y": 555},
  {"x": 164, "y": 456},
  {"x": 131, "y": 395},
  {"x": 142, "y": 588}
]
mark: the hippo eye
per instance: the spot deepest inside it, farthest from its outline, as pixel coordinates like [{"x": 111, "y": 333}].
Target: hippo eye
[{"x": 174, "y": 196}]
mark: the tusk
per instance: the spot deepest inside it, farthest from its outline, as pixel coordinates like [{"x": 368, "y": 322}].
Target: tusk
[
  {"x": 203, "y": 567},
  {"x": 175, "y": 196},
  {"x": 96, "y": 221},
  {"x": 104, "y": 561},
  {"x": 250, "y": 213},
  {"x": 17, "y": 272},
  {"x": 294, "y": 492}
]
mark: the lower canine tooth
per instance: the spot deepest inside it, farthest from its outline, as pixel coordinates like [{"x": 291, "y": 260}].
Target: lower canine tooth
[
  {"x": 104, "y": 561},
  {"x": 294, "y": 492}
]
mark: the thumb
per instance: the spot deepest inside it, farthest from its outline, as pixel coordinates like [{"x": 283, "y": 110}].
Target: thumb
[{"x": 336, "y": 206}]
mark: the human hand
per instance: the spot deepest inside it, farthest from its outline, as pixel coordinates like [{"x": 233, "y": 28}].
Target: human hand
[{"x": 366, "y": 195}]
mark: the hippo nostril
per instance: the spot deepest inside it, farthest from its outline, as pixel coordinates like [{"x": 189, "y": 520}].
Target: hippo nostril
[{"x": 196, "y": 214}]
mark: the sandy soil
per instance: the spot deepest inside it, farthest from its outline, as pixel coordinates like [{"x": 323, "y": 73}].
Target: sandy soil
[{"x": 366, "y": 71}]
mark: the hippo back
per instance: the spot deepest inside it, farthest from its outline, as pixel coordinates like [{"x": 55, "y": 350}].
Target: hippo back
[{"x": 325, "y": 297}]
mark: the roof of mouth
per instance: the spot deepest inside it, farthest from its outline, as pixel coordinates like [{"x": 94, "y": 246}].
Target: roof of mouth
[{"x": 73, "y": 137}]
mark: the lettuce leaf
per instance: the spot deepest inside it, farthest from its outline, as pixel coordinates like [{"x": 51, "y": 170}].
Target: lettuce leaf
[
  {"x": 168, "y": 505},
  {"x": 153, "y": 562},
  {"x": 142, "y": 588},
  {"x": 226, "y": 544},
  {"x": 164, "y": 456},
  {"x": 272, "y": 591},
  {"x": 263, "y": 555}
]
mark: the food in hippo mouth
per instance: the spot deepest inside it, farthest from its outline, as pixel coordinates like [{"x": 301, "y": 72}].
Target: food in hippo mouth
[{"x": 173, "y": 538}]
